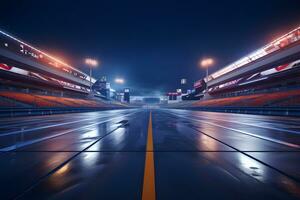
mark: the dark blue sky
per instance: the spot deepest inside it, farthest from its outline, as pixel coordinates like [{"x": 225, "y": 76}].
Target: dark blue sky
[{"x": 152, "y": 44}]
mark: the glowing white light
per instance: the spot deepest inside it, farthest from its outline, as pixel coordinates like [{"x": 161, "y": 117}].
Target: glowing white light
[
  {"x": 91, "y": 62},
  {"x": 41, "y": 52},
  {"x": 119, "y": 80},
  {"x": 273, "y": 46},
  {"x": 207, "y": 62}
]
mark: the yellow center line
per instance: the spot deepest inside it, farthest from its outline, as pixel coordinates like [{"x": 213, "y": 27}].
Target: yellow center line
[{"x": 149, "y": 174}]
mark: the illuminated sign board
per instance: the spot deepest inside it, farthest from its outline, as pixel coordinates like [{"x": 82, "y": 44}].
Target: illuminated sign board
[{"x": 198, "y": 84}]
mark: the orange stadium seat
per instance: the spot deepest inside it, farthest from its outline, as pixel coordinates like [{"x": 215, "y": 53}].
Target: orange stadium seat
[
  {"x": 46, "y": 101},
  {"x": 285, "y": 98},
  {"x": 29, "y": 99}
]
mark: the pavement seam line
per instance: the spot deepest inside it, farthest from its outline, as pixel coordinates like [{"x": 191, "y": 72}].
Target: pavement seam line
[
  {"x": 49, "y": 126},
  {"x": 64, "y": 163},
  {"x": 250, "y": 156},
  {"x": 14, "y": 147},
  {"x": 242, "y": 132},
  {"x": 149, "y": 173},
  {"x": 249, "y": 124},
  {"x": 246, "y": 154},
  {"x": 61, "y": 165}
]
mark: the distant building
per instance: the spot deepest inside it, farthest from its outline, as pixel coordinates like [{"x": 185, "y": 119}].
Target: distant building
[
  {"x": 120, "y": 96},
  {"x": 199, "y": 86},
  {"x": 127, "y": 95},
  {"x": 103, "y": 87},
  {"x": 173, "y": 96},
  {"x": 183, "y": 85}
]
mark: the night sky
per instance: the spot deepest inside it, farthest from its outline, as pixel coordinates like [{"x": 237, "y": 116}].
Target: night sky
[{"x": 151, "y": 44}]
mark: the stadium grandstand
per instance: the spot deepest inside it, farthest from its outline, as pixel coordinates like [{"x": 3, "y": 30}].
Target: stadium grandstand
[
  {"x": 268, "y": 77},
  {"x": 32, "y": 78}
]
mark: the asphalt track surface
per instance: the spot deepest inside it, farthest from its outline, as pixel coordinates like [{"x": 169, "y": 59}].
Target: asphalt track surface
[{"x": 150, "y": 154}]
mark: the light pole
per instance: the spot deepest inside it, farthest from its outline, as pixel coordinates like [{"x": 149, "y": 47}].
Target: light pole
[
  {"x": 206, "y": 63},
  {"x": 91, "y": 63}
]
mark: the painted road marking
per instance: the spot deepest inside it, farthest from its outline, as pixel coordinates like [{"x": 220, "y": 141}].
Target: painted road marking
[
  {"x": 149, "y": 173},
  {"x": 30, "y": 142},
  {"x": 53, "y": 125},
  {"x": 255, "y": 125},
  {"x": 241, "y": 131}
]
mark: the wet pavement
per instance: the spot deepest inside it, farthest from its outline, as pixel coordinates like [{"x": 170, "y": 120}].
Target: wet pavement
[{"x": 108, "y": 155}]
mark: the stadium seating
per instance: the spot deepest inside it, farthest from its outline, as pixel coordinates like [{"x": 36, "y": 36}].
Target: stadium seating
[
  {"x": 290, "y": 102},
  {"x": 284, "y": 98},
  {"x": 6, "y": 104},
  {"x": 28, "y": 99},
  {"x": 11, "y": 99}
]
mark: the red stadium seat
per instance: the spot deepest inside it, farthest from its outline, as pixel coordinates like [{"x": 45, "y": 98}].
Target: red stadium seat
[
  {"x": 46, "y": 101},
  {"x": 284, "y": 98}
]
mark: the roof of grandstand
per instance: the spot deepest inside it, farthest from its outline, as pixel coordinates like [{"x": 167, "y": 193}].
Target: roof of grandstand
[
  {"x": 52, "y": 65},
  {"x": 287, "y": 40}
]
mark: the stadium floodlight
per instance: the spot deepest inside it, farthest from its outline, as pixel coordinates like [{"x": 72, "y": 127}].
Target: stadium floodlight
[
  {"x": 91, "y": 63},
  {"x": 206, "y": 63},
  {"x": 119, "y": 81}
]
